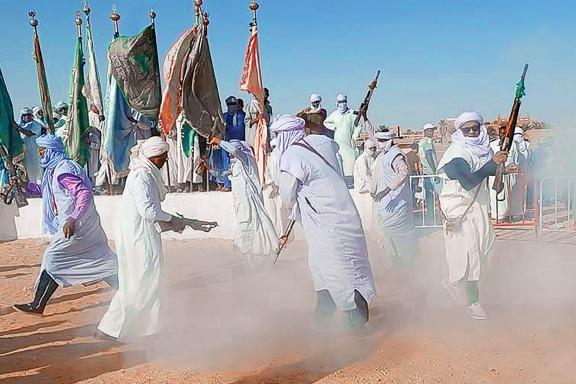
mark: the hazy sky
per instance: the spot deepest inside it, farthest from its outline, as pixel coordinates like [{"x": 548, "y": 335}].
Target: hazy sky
[{"x": 437, "y": 58}]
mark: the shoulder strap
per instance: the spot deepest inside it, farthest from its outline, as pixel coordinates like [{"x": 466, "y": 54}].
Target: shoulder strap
[{"x": 304, "y": 144}]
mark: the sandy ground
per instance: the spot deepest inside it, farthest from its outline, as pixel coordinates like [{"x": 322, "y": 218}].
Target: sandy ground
[{"x": 228, "y": 324}]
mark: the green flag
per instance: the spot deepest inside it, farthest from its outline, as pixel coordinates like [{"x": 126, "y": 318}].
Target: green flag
[
  {"x": 78, "y": 124},
  {"x": 134, "y": 65},
  {"x": 9, "y": 136}
]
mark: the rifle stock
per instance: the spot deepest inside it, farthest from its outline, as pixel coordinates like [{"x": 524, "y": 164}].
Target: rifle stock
[{"x": 506, "y": 144}]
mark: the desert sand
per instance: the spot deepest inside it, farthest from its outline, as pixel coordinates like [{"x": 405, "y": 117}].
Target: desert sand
[{"x": 226, "y": 323}]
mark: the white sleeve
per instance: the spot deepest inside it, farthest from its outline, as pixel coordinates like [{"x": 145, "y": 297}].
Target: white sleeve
[
  {"x": 288, "y": 186},
  {"x": 148, "y": 201}
]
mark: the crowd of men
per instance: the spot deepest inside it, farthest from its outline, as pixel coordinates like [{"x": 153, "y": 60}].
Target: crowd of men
[{"x": 314, "y": 159}]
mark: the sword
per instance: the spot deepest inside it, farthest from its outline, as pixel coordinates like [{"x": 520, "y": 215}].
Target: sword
[{"x": 284, "y": 240}]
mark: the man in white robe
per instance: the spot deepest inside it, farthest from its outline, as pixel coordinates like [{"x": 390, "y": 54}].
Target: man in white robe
[
  {"x": 31, "y": 129},
  {"x": 312, "y": 186},
  {"x": 135, "y": 308},
  {"x": 522, "y": 158},
  {"x": 255, "y": 236},
  {"x": 464, "y": 200},
  {"x": 79, "y": 251},
  {"x": 341, "y": 124},
  {"x": 363, "y": 167},
  {"x": 500, "y": 204},
  {"x": 390, "y": 189}
]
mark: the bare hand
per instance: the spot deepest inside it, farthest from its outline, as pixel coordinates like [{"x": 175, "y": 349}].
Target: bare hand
[
  {"x": 69, "y": 228},
  {"x": 500, "y": 157},
  {"x": 512, "y": 168},
  {"x": 214, "y": 141},
  {"x": 284, "y": 240}
]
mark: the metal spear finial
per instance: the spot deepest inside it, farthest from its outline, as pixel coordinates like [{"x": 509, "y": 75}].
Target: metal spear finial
[
  {"x": 86, "y": 9},
  {"x": 152, "y": 15},
  {"x": 33, "y": 20},
  {"x": 115, "y": 16},
  {"x": 78, "y": 23},
  {"x": 254, "y": 8}
]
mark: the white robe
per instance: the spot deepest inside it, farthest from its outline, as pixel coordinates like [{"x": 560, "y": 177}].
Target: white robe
[
  {"x": 338, "y": 255},
  {"x": 500, "y": 205},
  {"x": 135, "y": 308},
  {"x": 345, "y": 134},
  {"x": 272, "y": 199},
  {"x": 255, "y": 234},
  {"x": 363, "y": 172},
  {"x": 468, "y": 246}
]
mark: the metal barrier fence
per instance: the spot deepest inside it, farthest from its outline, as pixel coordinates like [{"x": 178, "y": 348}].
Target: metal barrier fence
[
  {"x": 515, "y": 207},
  {"x": 557, "y": 204}
]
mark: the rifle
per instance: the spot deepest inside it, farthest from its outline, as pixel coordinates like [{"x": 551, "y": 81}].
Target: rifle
[
  {"x": 506, "y": 143},
  {"x": 364, "y": 106},
  {"x": 197, "y": 225},
  {"x": 15, "y": 190},
  {"x": 283, "y": 240}
]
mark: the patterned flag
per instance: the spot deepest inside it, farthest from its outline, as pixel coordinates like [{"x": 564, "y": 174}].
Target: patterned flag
[
  {"x": 173, "y": 69},
  {"x": 78, "y": 123},
  {"x": 200, "y": 98},
  {"x": 251, "y": 82},
  {"x": 92, "y": 88},
  {"x": 43, "y": 83},
  {"x": 134, "y": 65}
]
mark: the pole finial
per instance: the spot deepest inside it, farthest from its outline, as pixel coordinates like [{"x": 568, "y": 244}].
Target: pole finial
[
  {"x": 254, "y": 8},
  {"x": 115, "y": 16},
  {"x": 33, "y": 20},
  {"x": 86, "y": 9},
  {"x": 78, "y": 23},
  {"x": 152, "y": 15}
]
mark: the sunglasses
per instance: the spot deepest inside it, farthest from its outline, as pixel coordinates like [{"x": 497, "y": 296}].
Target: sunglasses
[{"x": 469, "y": 129}]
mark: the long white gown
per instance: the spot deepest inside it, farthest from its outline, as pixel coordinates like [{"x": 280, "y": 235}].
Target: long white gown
[
  {"x": 338, "y": 255},
  {"x": 135, "y": 308},
  {"x": 345, "y": 134},
  {"x": 472, "y": 243},
  {"x": 255, "y": 234}
]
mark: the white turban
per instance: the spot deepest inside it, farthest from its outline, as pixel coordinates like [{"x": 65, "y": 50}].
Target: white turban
[
  {"x": 479, "y": 146},
  {"x": 341, "y": 98},
  {"x": 428, "y": 126},
  {"x": 36, "y": 110},
  {"x": 518, "y": 131},
  {"x": 26, "y": 111},
  {"x": 154, "y": 146},
  {"x": 139, "y": 159},
  {"x": 314, "y": 98},
  {"x": 288, "y": 129},
  {"x": 466, "y": 117},
  {"x": 383, "y": 135},
  {"x": 369, "y": 143}
]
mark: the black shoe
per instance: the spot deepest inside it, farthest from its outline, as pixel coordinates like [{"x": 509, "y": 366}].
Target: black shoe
[
  {"x": 98, "y": 334},
  {"x": 29, "y": 309}
]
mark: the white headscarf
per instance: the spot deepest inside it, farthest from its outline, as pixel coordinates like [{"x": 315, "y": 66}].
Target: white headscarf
[
  {"x": 288, "y": 130},
  {"x": 342, "y": 103},
  {"x": 384, "y": 146},
  {"x": 479, "y": 146},
  {"x": 139, "y": 159},
  {"x": 369, "y": 147},
  {"x": 314, "y": 98},
  {"x": 519, "y": 140}
]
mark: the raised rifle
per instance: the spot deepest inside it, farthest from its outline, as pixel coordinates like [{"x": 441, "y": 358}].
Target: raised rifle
[
  {"x": 366, "y": 103},
  {"x": 283, "y": 240},
  {"x": 506, "y": 143},
  {"x": 15, "y": 190}
]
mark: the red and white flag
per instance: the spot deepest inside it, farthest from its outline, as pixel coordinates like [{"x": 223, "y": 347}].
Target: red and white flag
[
  {"x": 173, "y": 69},
  {"x": 251, "y": 82}
]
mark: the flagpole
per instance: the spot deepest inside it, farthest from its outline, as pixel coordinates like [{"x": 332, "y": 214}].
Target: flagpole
[
  {"x": 115, "y": 17},
  {"x": 41, "y": 71},
  {"x": 254, "y": 8}
]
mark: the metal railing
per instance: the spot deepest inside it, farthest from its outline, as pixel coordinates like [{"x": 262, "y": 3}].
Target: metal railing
[
  {"x": 557, "y": 204},
  {"x": 425, "y": 190}
]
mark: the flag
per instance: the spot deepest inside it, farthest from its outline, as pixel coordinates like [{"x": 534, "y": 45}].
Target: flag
[
  {"x": 118, "y": 133},
  {"x": 251, "y": 82},
  {"x": 43, "y": 83},
  {"x": 173, "y": 69},
  {"x": 92, "y": 88},
  {"x": 76, "y": 142},
  {"x": 9, "y": 136},
  {"x": 200, "y": 99},
  {"x": 134, "y": 65}
]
